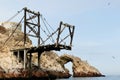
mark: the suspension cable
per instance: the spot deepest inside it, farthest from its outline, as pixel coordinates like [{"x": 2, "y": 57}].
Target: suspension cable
[
  {"x": 44, "y": 32},
  {"x": 47, "y": 29},
  {"x": 14, "y": 15},
  {"x": 45, "y": 25},
  {"x": 49, "y": 36},
  {"x": 12, "y": 32},
  {"x": 64, "y": 38},
  {"x": 52, "y": 28},
  {"x": 23, "y": 38},
  {"x": 48, "y": 24}
]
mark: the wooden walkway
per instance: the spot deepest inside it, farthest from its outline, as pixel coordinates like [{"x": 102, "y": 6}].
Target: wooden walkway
[{"x": 23, "y": 53}]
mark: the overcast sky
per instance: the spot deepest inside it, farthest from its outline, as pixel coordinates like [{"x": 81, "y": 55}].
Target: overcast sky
[{"x": 97, "y": 27}]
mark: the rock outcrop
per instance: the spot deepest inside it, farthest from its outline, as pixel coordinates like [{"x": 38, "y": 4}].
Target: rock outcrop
[
  {"x": 10, "y": 67},
  {"x": 51, "y": 65},
  {"x": 80, "y": 68}
]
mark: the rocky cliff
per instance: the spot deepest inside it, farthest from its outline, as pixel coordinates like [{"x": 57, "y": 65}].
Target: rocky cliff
[
  {"x": 51, "y": 65},
  {"x": 80, "y": 68}
]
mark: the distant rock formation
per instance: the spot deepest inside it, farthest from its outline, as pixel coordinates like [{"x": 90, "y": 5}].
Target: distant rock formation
[
  {"x": 51, "y": 65},
  {"x": 80, "y": 68},
  {"x": 50, "y": 61}
]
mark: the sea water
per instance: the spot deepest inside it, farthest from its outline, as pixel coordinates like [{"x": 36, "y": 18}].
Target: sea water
[{"x": 93, "y": 78}]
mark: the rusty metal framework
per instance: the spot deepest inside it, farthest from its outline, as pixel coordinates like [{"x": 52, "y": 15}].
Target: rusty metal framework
[{"x": 28, "y": 23}]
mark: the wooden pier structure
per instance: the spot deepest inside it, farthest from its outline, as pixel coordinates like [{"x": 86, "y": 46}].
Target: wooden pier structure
[{"x": 25, "y": 54}]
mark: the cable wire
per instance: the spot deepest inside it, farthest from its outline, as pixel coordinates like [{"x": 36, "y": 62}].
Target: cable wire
[
  {"x": 14, "y": 15},
  {"x": 52, "y": 28},
  {"x": 12, "y": 32},
  {"x": 47, "y": 29},
  {"x": 48, "y": 24}
]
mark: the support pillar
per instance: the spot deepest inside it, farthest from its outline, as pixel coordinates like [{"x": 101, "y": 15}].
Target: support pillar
[
  {"x": 25, "y": 60},
  {"x": 18, "y": 56},
  {"x": 30, "y": 60},
  {"x": 39, "y": 59}
]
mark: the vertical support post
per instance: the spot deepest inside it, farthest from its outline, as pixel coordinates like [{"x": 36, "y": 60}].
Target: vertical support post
[
  {"x": 39, "y": 53},
  {"x": 72, "y": 33},
  {"x": 12, "y": 58},
  {"x": 18, "y": 56},
  {"x": 30, "y": 61},
  {"x": 25, "y": 27},
  {"x": 28, "y": 24},
  {"x": 38, "y": 28},
  {"x": 24, "y": 58},
  {"x": 59, "y": 31}
]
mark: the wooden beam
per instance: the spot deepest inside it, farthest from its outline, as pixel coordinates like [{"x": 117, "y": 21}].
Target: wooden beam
[
  {"x": 18, "y": 56},
  {"x": 30, "y": 61},
  {"x": 25, "y": 60},
  {"x": 39, "y": 59}
]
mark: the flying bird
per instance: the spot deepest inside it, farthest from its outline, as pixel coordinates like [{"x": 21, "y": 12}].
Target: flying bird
[
  {"x": 109, "y": 3},
  {"x": 113, "y": 57}
]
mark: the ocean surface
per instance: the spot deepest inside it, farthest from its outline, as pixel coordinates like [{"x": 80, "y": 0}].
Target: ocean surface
[{"x": 94, "y": 78}]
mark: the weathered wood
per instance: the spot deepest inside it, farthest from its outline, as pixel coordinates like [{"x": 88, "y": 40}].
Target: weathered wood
[
  {"x": 30, "y": 61},
  {"x": 39, "y": 59},
  {"x": 41, "y": 48},
  {"x": 18, "y": 56},
  {"x": 30, "y": 24},
  {"x": 25, "y": 27},
  {"x": 25, "y": 60}
]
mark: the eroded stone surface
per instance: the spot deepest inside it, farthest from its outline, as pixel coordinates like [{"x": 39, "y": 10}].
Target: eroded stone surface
[
  {"x": 51, "y": 64},
  {"x": 80, "y": 68}
]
